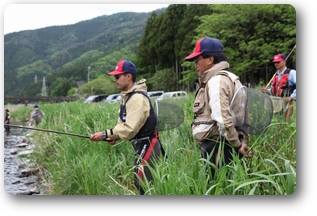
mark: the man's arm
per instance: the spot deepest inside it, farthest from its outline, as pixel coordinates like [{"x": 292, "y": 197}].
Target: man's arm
[
  {"x": 138, "y": 110},
  {"x": 221, "y": 89}
]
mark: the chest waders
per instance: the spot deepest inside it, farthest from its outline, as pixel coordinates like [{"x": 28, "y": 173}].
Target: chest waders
[{"x": 146, "y": 145}]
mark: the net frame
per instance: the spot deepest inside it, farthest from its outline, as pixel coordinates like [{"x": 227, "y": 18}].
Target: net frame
[
  {"x": 251, "y": 111},
  {"x": 169, "y": 115}
]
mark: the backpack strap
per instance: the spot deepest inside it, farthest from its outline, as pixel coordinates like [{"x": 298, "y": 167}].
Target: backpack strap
[
  {"x": 287, "y": 71},
  {"x": 137, "y": 92},
  {"x": 227, "y": 73},
  {"x": 123, "y": 106}
]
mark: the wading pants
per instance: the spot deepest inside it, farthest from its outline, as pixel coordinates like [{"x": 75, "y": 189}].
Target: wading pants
[
  {"x": 147, "y": 151},
  {"x": 218, "y": 152}
]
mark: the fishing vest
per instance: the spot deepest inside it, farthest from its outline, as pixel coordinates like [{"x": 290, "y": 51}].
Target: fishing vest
[
  {"x": 203, "y": 126},
  {"x": 150, "y": 124},
  {"x": 281, "y": 88}
]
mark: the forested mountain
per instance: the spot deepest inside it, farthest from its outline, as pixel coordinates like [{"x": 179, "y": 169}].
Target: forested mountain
[
  {"x": 67, "y": 51},
  {"x": 156, "y": 42}
]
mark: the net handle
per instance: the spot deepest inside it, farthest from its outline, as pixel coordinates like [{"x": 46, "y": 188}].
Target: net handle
[{"x": 157, "y": 111}]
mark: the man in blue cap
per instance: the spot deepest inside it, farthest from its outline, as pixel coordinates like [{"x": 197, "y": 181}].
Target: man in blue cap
[
  {"x": 136, "y": 122},
  {"x": 213, "y": 122}
]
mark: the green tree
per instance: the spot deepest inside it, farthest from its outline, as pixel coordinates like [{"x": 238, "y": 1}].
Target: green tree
[
  {"x": 162, "y": 80},
  {"x": 102, "y": 85},
  {"x": 186, "y": 32},
  {"x": 251, "y": 34},
  {"x": 146, "y": 52},
  {"x": 168, "y": 38},
  {"x": 61, "y": 86}
]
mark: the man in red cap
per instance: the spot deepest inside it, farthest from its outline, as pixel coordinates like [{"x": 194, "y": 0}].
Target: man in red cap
[
  {"x": 213, "y": 123},
  {"x": 137, "y": 121},
  {"x": 284, "y": 82}
]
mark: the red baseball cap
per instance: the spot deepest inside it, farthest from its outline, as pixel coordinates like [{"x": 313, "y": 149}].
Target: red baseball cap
[
  {"x": 124, "y": 66},
  {"x": 205, "y": 44},
  {"x": 279, "y": 57}
]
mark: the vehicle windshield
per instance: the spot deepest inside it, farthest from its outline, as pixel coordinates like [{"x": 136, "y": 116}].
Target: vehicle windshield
[
  {"x": 167, "y": 95},
  {"x": 91, "y": 98},
  {"x": 111, "y": 97}
]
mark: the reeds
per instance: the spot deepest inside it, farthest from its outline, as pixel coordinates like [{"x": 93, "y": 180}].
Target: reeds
[{"x": 77, "y": 166}]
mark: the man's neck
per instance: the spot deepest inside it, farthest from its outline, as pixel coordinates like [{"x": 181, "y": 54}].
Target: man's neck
[
  {"x": 129, "y": 87},
  {"x": 282, "y": 69}
]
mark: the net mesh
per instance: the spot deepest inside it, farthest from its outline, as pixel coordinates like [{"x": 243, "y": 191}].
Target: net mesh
[
  {"x": 239, "y": 110},
  {"x": 278, "y": 104},
  {"x": 260, "y": 111},
  {"x": 169, "y": 115},
  {"x": 252, "y": 111}
]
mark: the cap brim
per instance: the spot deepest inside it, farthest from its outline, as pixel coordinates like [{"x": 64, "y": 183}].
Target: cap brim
[
  {"x": 278, "y": 60},
  {"x": 115, "y": 73},
  {"x": 192, "y": 56}
]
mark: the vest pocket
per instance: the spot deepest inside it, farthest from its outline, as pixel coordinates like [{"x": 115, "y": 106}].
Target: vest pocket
[
  {"x": 203, "y": 126},
  {"x": 199, "y": 103},
  {"x": 204, "y": 130}
]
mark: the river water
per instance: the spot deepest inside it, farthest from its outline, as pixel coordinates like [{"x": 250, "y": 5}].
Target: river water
[{"x": 18, "y": 180}]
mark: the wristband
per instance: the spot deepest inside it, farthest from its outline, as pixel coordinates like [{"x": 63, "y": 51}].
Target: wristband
[{"x": 104, "y": 135}]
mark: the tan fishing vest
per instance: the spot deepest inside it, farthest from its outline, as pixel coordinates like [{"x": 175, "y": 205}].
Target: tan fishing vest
[{"x": 203, "y": 126}]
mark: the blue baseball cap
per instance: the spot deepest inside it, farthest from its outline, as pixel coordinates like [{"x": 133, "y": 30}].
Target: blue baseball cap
[
  {"x": 124, "y": 66},
  {"x": 205, "y": 44}
]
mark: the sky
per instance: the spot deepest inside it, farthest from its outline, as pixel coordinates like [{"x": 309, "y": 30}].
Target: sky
[{"x": 19, "y": 17}]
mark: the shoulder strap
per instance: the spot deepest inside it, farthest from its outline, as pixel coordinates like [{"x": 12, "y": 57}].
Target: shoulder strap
[
  {"x": 229, "y": 74},
  {"x": 287, "y": 71},
  {"x": 140, "y": 92},
  {"x": 136, "y": 92}
]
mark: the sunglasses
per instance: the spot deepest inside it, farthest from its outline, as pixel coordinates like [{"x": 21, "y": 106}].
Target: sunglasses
[{"x": 118, "y": 76}]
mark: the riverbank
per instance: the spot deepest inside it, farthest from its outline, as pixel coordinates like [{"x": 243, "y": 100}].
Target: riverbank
[{"x": 21, "y": 175}]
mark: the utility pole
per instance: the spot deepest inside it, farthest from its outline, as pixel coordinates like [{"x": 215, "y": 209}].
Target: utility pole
[
  {"x": 44, "y": 88},
  {"x": 35, "y": 79},
  {"x": 88, "y": 73}
]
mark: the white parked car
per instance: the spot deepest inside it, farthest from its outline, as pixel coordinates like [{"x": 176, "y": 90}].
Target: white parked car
[
  {"x": 155, "y": 94},
  {"x": 95, "y": 98},
  {"x": 112, "y": 98},
  {"x": 173, "y": 95}
]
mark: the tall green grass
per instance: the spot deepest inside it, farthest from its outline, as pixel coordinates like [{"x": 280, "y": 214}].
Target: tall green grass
[{"x": 74, "y": 165}]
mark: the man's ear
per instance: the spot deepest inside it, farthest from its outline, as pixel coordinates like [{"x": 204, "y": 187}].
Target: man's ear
[
  {"x": 129, "y": 76},
  {"x": 211, "y": 60}
]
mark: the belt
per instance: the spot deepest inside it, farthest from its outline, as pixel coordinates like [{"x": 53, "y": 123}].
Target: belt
[
  {"x": 202, "y": 122},
  {"x": 140, "y": 139}
]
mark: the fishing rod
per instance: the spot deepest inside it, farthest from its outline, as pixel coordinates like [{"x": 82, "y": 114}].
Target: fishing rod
[
  {"x": 275, "y": 72},
  {"x": 44, "y": 130}
]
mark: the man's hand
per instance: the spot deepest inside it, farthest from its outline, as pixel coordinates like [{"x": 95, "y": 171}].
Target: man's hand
[
  {"x": 111, "y": 141},
  {"x": 288, "y": 99},
  {"x": 244, "y": 148},
  {"x": 96, "y": 137},
  {"x": 264, "y": 90}
]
